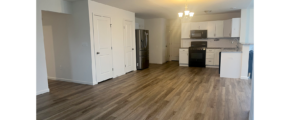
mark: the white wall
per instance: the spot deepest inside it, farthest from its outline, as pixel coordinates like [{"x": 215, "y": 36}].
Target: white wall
[
  {"x": 117, "y": 17},
  {"x": 67, "y": 44},
  {"x": 245, "y": 61},
  {"x": 246, "y": 38},
  {"x": 247, "y": 26},
  {"x": 41, "y": 72},
  {"x": 141, "y": 23},
  {"x": 212, "y": 17},
  {"x": 80, "y": 48},
  {"x": 175, "y": 39},
  {"x": 56, "y": 41},
  {"x": 157, "y": 39}
]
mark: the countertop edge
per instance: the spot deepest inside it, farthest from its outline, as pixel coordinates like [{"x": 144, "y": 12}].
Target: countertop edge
[{"x": 231, "y": 51}]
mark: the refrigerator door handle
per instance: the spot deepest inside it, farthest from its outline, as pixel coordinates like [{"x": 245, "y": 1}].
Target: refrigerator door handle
[{"x": 146, "y": 39}]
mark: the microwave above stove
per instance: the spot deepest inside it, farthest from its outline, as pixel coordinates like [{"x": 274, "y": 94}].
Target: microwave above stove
[{"x": 198, "y": 34}]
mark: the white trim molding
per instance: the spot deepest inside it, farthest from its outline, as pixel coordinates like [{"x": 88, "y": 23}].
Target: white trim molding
[
  {"x": 244, "y": 77},
  {"x": 184, "y": 65},
  {"x": 42, "y": 91},
  {"x": 70, "y": 80}
]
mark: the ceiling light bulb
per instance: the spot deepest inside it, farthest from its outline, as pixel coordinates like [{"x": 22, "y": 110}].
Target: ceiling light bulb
[
  {"x": 186, "y": 12},
  {"x": 191, "y": 14},
  {"x": 180, "y": 14}
]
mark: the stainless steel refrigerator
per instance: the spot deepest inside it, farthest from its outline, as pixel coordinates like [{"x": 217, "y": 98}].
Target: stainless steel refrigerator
[{"x": 142, "y": 48}]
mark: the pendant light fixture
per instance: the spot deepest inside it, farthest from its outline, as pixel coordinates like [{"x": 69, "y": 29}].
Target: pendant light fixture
[{"x": 186, "y": 12}]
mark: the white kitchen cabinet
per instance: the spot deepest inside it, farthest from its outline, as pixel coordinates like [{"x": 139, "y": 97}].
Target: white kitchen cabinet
[
  {"x": 216, "y": 57},
  {"x": 183, "y": 57},
  {"x": 185, "y": 30},
  {"x": 210, "y": 50},
  {"x": 203, "y": 25},
  {"x": 194, "y": 26},
  {"x": 232, "y": 27},
  {"x": 198, "y": 26},
  {"x": 215, "y": 29},
  {"x": 209, "y": 62},
  {"x": 219, "y": 28},
  {"x": 212, "y": 57},
  {"x": 211, "y": 29}
]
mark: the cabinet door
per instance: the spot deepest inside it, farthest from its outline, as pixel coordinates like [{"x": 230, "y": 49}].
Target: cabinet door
[
  {"x": 216, "y": 57},
  {"x": 219, "y": 28},
  {"x": 210, "y": 55},
  {"x": 227, "y": 28},
  {"x": 235, "y": 27},
  {"x": 194, "y": 26},
  {"x": 183, "y": 56},
  {"x": 209, "y": 62},
  {"x": 185, "y": 30},
  {"x": 203, "y": 25},
  {"x": 211, "y": 29}
]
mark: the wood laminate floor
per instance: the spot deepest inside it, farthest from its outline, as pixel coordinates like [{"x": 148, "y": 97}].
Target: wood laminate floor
[{"x": 161, "y": 92}]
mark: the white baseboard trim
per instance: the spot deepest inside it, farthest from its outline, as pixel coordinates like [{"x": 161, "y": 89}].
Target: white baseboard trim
[
  {"x": 212, "y": 66},
  {"x": 184, "y": 65},
  {"x": 70, "y": 80},
  {"x": 244, "y": 77},
  {"x": 51, "y": 78},
  {"x": 42, "y": 91},
  {"x": 155, "y": 63}
]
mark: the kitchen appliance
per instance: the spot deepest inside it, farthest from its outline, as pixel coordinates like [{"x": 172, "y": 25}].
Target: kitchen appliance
[
  {"x": 142, "y": 48},
  {"x": 197, "y": 54},
  {"x": 198, "y": 34}
]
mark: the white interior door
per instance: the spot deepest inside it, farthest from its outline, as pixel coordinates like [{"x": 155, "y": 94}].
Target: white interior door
[
  {"x": 103, "y": 48},
  {"x": 128, "y": 46}
]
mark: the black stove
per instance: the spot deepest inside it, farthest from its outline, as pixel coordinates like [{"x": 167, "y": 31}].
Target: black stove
[{"x": 197, "y": 53}]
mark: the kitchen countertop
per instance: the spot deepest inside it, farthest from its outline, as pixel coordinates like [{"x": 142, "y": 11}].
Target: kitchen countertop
[
  {"x": 223, "y": 49},
  {"x": 183, "y": 48}
]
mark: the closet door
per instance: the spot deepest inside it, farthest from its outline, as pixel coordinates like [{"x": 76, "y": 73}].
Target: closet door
[
  {"x": 128, "y": 45},
  {"x": 103, "y": 47}
]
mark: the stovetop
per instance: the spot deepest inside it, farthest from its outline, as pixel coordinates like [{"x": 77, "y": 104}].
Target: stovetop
[{"x": 197, "y": 48}]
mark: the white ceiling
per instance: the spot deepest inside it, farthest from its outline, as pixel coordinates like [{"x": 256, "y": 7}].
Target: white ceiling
[{"x": 169, "y": 8}]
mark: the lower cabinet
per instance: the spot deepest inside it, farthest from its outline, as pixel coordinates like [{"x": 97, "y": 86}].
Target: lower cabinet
[
  {"x": 212, "y": 57},
  {"x": 183, "y": 57}
]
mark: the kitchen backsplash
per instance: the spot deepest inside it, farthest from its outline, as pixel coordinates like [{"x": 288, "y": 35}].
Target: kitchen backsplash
[{"x": 223, "y": 43}]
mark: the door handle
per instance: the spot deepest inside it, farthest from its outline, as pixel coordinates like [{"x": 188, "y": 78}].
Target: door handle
[
  {"x": 132, "y": 48},
  {"x": 98, "y": 52}
]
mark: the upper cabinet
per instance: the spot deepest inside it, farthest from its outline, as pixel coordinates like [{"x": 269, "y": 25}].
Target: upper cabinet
[
  {"x": 215, "y": 29},
  {"x": 198, "y": 26},
  {"x": 185, "y": 30},
  {"x": 186, "y": 27},
  {"x": 232, "y": 27}
]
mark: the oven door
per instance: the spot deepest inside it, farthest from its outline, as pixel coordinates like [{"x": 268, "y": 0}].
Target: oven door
[{"x": 196, "y": 58}]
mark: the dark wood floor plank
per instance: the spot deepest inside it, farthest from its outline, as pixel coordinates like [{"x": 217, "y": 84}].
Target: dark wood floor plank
[{"x": 161, "y": 92}]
